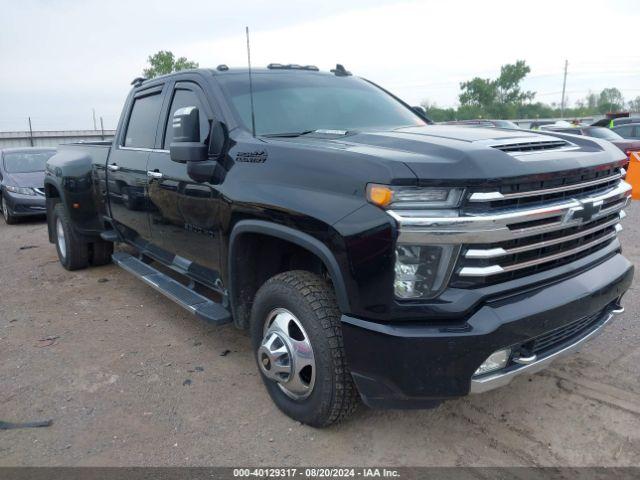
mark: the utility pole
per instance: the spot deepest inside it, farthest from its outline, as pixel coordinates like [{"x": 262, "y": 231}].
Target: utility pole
[
  {"x": 564, "y": 86},
  {"x": 95, "y": 127},
  {"x": 30, "y": 133},
  {"x": 102, "y": 128}
]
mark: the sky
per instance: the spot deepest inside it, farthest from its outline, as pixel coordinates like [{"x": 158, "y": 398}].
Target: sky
[{"x": 59, "y": 59}]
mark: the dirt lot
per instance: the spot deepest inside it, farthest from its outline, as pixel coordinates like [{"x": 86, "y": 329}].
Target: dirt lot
[{"x": 129, "y": 378}]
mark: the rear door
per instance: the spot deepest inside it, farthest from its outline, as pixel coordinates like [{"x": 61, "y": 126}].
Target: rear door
[
  {"x": 184, "y": 214},
  {"x": 127, "y": 166}
]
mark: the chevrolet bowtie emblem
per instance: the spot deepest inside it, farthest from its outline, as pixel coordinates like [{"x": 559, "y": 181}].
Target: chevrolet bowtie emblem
[{"x": 586, "y": 211}]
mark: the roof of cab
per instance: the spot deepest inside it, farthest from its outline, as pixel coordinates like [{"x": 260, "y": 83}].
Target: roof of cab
[
  {"x": 224, "y": 70},
  {"x": 245, "y": 70}
]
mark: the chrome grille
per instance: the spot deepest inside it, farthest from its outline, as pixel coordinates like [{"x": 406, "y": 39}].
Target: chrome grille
[
  {"x": 502, "y": 242},
  {"x": 560, "y": 238},
  {"x": 534, "y": 254},
  {"x": 548, "y": 190}
]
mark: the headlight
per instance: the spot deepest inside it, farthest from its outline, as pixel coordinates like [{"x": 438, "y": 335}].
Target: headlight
[
  {"x": 421, "y": 270},
  {"x": 413, "y": 197},
  {"x": 20, "y": 190}
]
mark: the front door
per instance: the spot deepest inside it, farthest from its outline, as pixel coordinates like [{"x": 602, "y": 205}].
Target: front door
[
  {"x": 127, "y": 167},
  {"x": 183, "y": 213}
]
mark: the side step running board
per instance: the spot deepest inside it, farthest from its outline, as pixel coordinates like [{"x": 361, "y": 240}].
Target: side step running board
[{"x": 194, "y": 302}]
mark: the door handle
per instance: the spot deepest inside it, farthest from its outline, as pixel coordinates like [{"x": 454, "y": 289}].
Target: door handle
[
  {"x": 151, "y": 174},
  {"x": 113, "y": 167}
]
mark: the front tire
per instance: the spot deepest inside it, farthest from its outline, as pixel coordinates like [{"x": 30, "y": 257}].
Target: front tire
[
  {"x": 8, "y": 218},
  {"x": 297, "y": 339},
  {"x": 73, "y": 253}
]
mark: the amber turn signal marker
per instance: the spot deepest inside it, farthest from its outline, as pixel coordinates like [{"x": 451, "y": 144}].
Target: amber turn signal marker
[{"x": 379, "y": 195}]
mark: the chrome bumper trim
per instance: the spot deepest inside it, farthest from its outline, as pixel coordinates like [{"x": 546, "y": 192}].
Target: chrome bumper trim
[
  {"x": 495, "y": 269},
  {"x": 496, "y": 380},
  {"x": 501, "y": 252},
  {"x": 492, "y": 196},
  {"x": 417, "y": 228}
]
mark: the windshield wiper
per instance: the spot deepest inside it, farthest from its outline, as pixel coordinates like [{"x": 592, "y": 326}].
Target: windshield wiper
[{"x": 287, "y": 135}]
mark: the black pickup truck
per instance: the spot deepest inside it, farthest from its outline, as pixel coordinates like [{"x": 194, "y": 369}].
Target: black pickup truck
[{"x": 369, "y": 253}]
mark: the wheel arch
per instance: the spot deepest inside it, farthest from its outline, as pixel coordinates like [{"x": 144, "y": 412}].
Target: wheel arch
[{"x": 242, "y": 291}]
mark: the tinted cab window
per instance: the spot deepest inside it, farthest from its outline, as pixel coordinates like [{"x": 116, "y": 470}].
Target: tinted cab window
[
  {"x": 185, "y": 98},
  {"x": 141, "y": 131}
]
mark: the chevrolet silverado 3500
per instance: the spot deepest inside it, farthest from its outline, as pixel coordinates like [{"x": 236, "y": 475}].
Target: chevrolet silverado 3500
[{"x": 370, "y": 254}]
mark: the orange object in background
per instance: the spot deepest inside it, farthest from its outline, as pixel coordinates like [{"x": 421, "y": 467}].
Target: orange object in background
[{"x": 633, "y": 174}]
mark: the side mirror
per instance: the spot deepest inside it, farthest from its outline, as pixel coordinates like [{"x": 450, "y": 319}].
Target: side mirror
[
  {"x": 218, "y": 139},
  {"x": 186, "y": 145},
  {"x": 212, "y": 170}
]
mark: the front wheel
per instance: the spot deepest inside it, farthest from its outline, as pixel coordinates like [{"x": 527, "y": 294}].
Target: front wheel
[
  {"x": 8, "y": 218},
  {"x": 297, "y": 339}
]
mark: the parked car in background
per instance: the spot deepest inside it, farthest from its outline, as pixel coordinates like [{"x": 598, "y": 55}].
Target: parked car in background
[
  {"x": 615, "y": 122},
  {"x": 559, "y": 124},
  {"x": 624, "y": 144},
  {"x": 536, "y": 125},
  {"x": 22, "y": 181},
  {"x": 630, "y": 131},
  {"x": 480, "y": 122}
]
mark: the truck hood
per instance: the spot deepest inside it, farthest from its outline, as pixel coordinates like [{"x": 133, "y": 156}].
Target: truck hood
[
  {"x": 28, "y": 179},
  {"x": 457, "y": 154}
]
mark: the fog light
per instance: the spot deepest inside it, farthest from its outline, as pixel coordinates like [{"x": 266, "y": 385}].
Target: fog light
[{"x": 496, "y": 361}]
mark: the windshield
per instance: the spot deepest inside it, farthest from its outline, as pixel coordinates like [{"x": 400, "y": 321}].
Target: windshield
[
  {"x": 25, "y": 162},
  {"x": 303, "y": 102},
  {"x": 603, "y": 133}
]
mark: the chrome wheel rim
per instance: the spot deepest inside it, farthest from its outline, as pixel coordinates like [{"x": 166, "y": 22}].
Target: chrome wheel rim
[
  {"x": 62, "y": 242},
  {"x": 286, "y": 356},
  {"x": 5, "y": 209}
]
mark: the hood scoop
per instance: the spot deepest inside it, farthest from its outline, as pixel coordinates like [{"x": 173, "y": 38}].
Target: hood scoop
[{"x": 530, "y": 145}]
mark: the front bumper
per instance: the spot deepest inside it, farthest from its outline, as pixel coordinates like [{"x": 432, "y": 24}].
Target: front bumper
[
  {"x": 25, "y": 205},
  {"x": 491, "y": 381},
  {"x": 409, "y": 365}
]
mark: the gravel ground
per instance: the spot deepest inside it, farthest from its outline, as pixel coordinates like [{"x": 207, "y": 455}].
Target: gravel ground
[{"x": 129, "y": 378}]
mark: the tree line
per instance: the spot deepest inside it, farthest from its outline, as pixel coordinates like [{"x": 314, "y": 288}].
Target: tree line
[{"x": 503, "y": 97}]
